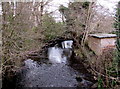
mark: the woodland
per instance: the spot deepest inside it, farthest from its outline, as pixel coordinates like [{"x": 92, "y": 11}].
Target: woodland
[{"x": 29, "y": 28}]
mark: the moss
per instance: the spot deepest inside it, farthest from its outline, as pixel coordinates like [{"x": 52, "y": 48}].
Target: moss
[
  {"x": 85, "y": 5},
  {"x": 63, "y": 8}
]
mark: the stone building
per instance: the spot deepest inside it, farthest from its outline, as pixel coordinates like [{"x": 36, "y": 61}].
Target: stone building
[{"x": 100, "y": 42}]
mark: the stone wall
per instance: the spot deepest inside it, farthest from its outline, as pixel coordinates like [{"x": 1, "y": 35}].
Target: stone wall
[{"x": 99, "y": 45}]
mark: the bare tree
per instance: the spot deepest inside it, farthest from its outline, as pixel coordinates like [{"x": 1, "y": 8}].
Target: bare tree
[{"x": 38, "y": 10}]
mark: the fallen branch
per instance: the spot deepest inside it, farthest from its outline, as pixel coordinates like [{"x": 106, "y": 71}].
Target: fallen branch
[
  {"x": 109, "y": 77},
  {"x": 37, "y": 57}
]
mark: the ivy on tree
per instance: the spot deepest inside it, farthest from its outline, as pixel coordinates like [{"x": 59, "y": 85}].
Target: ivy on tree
[{"x": 117, "y": 27}]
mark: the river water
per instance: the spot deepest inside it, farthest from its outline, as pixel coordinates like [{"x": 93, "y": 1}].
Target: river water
[
  {"x": 50, "y": 75},
  {"x": 57, "y": 71}
]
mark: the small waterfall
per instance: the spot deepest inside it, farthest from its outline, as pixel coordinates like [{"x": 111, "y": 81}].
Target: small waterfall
[
  {"x": 55, "y": 55},
  {"x": 42, "y": 74},
  {"x": 60, "y": 55}
]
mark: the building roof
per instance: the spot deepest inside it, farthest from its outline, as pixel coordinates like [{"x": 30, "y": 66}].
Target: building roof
[{"x": 103, "y": 35}]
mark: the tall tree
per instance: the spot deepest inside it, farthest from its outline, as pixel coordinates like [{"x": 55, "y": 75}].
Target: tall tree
[
  {"x": 78, "y": 17},
  {"x": 38, "y": 10},
  {"x": 117, "y": 27}
]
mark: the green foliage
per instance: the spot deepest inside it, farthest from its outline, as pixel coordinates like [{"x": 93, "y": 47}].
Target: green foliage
[
  {"x": 75, "y": 16},
  {"x": 35, "y": 29},
  {"x": 113, "y": 69},
  {"x": 65, "y": 11},
  {"x": 63, "y": 8},
  {"x": 100, "y": 83},
  {"x": 51, "y": 28},
  {"x": 85, "y": 5},
  {"x": 117, "y": 27}
]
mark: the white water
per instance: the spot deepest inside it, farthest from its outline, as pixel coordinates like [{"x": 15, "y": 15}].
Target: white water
[
  {"x": 47, "y": 75},
  {"x": 67, "y": 44},
  {"x": 60, "y": 55},
  {"x": 55, "y": 55}
]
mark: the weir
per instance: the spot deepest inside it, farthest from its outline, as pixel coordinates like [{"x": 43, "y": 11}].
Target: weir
[
  {"x": 55, "y": 55},
  {"x": 60, "y": 55},
  {"x": 67, "y": 44},
  {"x": 53, "y": 72}
]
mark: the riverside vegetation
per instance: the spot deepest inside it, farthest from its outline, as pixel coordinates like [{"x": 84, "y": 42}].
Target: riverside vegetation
[{"x": 27, "y": 29}]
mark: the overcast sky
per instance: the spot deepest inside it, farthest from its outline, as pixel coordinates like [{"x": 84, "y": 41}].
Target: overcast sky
[{"x": 108, "y": 4}]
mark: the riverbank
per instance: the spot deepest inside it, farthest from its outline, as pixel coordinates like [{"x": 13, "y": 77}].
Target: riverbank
[{"x": 36, "y": 71}]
